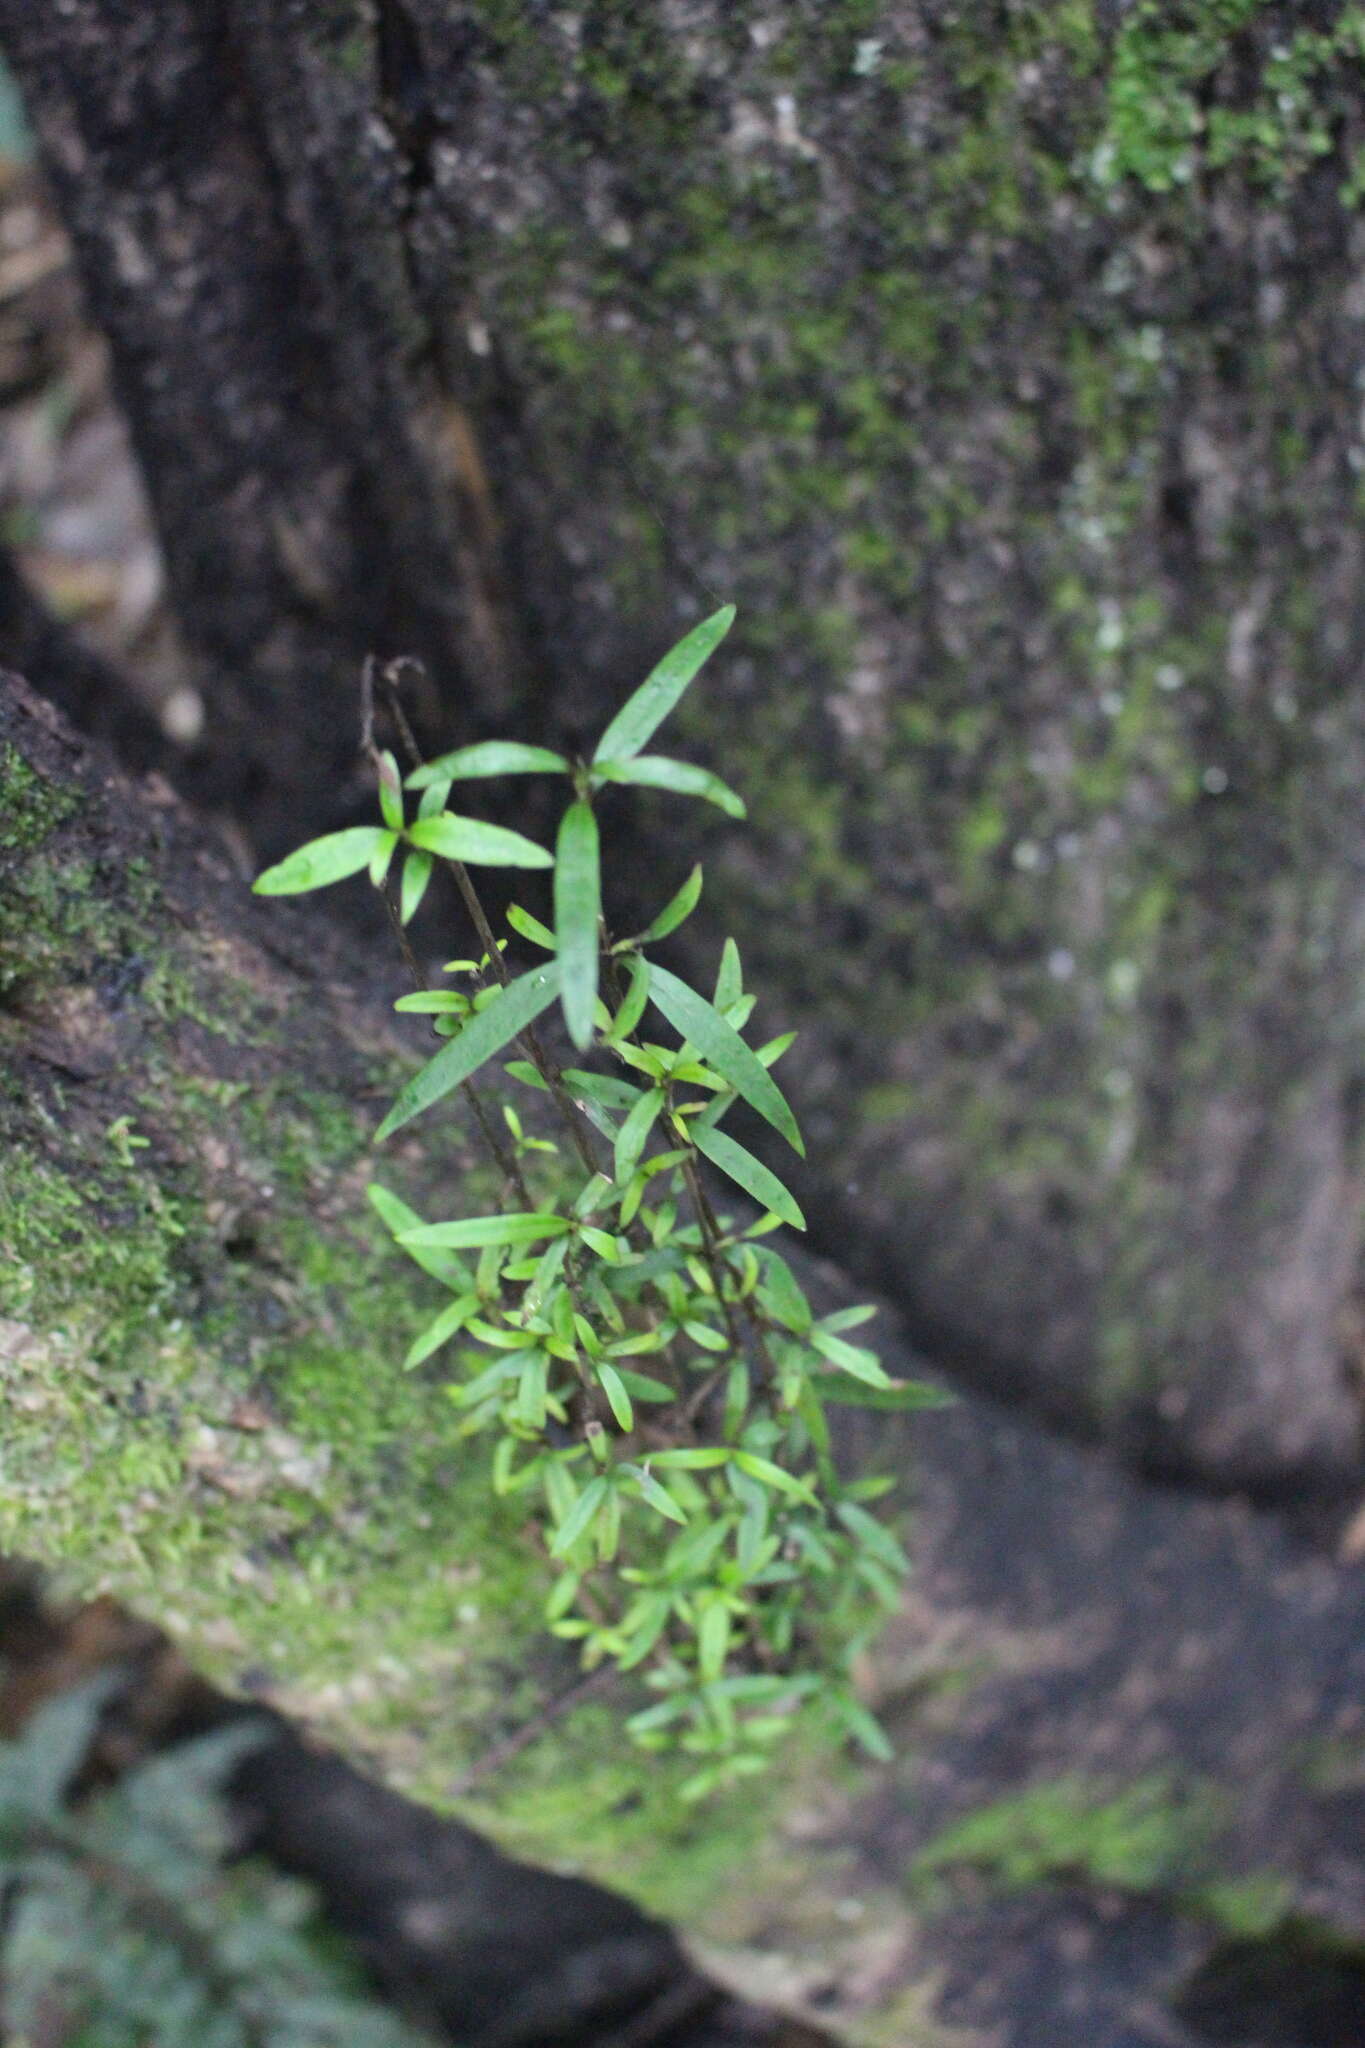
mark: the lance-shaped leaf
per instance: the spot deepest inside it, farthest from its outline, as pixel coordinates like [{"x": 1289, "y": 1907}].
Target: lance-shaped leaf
[
  {"x": 713, "y": 1641},
  {"x": 903, "y": 1395},
  {"x": 870, "y": 1533},
  {"x": 390, "y": 792},
  {"x": 579, "y": 1517},
  {"x": 721, "y": 1046},
  {"x": 657, "y": 771},
  {"x": 469, "y": 839},
  {"x": 854, "y": 1359},
  {"x": 750, "y": 1174},
  {"x": 439, "y": 1332},
  {"x": 329, "y": 859},
  {"x": 603, "y": 1088},
  {"x": 780, "y": 1293},
  {"x": 520, "y": 1226},
  {"x": 630, "y": 1139},
  {"x": 768, "y": 1474},
  {"x": 658, "y": 1497},
  {"x": 730, "y": 978},
  {"x": 416, "y": 874},
  {"x": 689, "y": 1460},
  {"x": 645, "y": 711},
  {"x": 381, "y": 859},
  {"x": 864, "y": 1727},
  {"x": 443, "y": 1266},
  {"x": 633, "y": 1002},
  {"x": 511, "y": 1010},
  {"x": 530, "y": 927},
  {"x": 675, "y": 910},
  {"x": 489, "y": 757},
  {"x": 578, "y": 906},
  {"x": 612, "y": 1385}
]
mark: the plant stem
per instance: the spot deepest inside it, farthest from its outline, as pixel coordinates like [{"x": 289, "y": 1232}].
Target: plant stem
[{"x": 541, "y": 1060}]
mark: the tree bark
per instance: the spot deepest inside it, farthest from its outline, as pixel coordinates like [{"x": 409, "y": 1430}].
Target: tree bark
[
  {"x": 274, "y": 368},
  {"x": 1002, "y": 368}
]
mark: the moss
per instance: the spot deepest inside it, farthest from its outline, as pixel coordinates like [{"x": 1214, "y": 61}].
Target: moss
[
  {"x": 31, "y": 807},
  {"x": 1173, "y": 112},
  {"x": 1151, "y": 1838}
]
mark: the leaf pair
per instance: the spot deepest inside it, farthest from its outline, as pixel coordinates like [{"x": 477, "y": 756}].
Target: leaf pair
[{"x": 338, "y": 855}]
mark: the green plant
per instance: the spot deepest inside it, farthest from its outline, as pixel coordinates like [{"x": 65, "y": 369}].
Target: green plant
[
  {"x": 121, "y": 1926},
  {"x": 693, "y": 1511}
]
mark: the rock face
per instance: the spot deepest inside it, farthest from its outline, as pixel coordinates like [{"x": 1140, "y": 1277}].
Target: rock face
[{"x": 1000, "y": 363}]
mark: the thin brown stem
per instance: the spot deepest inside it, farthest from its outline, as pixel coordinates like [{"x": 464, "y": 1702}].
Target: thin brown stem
[
  {"x": 531, "y": 1731},
  {"x": 541, "y": 1060}
]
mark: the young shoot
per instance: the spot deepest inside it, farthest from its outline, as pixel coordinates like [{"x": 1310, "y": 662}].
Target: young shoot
[{"x": 640, "y": 1356}]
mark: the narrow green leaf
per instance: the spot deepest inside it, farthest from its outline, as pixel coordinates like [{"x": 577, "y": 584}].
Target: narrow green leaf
[
  {"x": 397, "y": 1216},
  {"x": 812, "y": 1415},
  {"x": 713, "y": 1642},
  {"x": 442, "y": 1329},
  {"x": 657, "y": 771},
  {"x": 489, "y": 757},
  {"x": 578, "y": 906},
  {"x": 603, "y": 1088},
  {"x": 702, "y": 1333},
  {"x": 780, "y": 1294},
  {"x": 566, "y": 1592},
  {"x": 608, "y": 1530},
  {"x": 613, "y": 1387},
  {"x": 633, "y": 1002},
  {"x": 502, "y": 1336},
  {"x": 469, "y": 839},
  {"x": 865, "y": 1729},
  {"x": 579, "y": 1518},
  {"x": 750, "y": 1174},
  {"x": 730, "y": 979},
  {"x": 530, "y": 927},
  {"x": 676, "y": 909},
  {"x": 645, "y": 710},
  {"x": 768, "y": 1474},
  {"x": 433, "y": 800},
  {"x": 690, "y": 1461},
  {"x": 515, "y": 1006},
  {"x": 904, "y": 1396},
  {"x": 519, "y": 1227},
  {"x": 417, "y": 870},
  {"x": 639, "y": 1385},
  {"x": 736, "y": 1399},
  {"x": 884, "y": 1584},
  {"x": 546, "y": 1272},
  {"x": 322, "y": 861},
  {"x": 390, "y": 793},
  {"x": 721, "y": 1046},
  {"x": 522, "y": 1070},
  {"x": 530, "y": 1403},
  {"x": 658, "y": 1497},
  {"x": 853, "y": 1359},
  {"x": 634, "y": 1133},
  {"x": 649, "y": 1626},
  {"x": 849, "y": 1318},
  {"x": 768, "y": 1055},
  {"x": 381, "y": 859},
  {"x": 869, "y": 1532},
  {"x": 432, "y": 1002}
]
